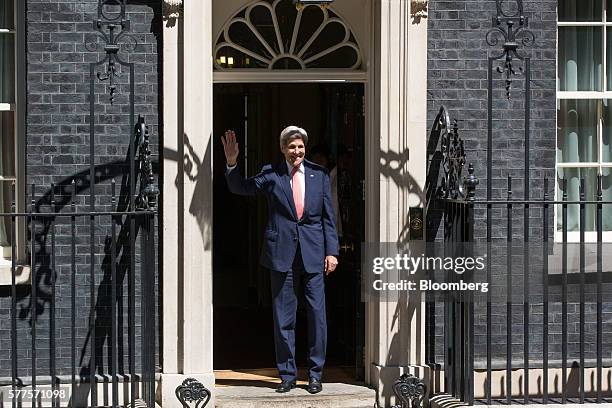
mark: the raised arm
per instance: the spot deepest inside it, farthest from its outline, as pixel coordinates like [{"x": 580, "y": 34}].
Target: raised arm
[
  {"x": 230, "y": 148},
  {"x": 235, "y": 182}
]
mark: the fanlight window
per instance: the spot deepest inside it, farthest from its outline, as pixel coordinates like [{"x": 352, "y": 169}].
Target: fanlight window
[{"x": 273, "y": 34}]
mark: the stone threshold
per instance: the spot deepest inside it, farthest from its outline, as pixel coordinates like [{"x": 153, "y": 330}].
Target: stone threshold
[{"x": 336, "y": 395}]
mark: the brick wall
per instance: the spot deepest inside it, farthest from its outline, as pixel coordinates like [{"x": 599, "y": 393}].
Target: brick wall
[
  {"x": 61, "y": 45},
  {"x": 457, "y": 77}
]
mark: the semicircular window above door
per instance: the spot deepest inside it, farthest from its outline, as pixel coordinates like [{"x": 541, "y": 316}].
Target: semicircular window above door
[{"x": 274, "y": 34}]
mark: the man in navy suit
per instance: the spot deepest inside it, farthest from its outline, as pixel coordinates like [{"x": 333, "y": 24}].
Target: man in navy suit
[{"x": 300, "y": 243}]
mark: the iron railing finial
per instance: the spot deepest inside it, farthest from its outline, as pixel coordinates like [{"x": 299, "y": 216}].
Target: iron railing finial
[
  {"x": 470, "y": 182},
  {"x": 511, "y": 25}
]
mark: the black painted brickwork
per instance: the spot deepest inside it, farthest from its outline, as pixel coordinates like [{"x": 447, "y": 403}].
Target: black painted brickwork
[
  {"x": 457, "y": 77},
  {"x": 60, "y": 38}
]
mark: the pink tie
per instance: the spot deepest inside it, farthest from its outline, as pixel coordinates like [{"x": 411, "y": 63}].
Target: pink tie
[{"x": 297, "y": 193}]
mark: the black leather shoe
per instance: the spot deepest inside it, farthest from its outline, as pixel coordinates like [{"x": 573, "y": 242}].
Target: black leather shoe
[
  {"x": 285, "y": 386},
  {"x": 314, "y": 386}
]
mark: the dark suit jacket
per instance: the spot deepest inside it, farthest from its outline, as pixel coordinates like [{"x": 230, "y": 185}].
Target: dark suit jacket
[{"x": 315, "y": 232}]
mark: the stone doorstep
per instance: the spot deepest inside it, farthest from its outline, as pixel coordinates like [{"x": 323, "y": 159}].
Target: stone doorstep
[{"x": 334, "y": 395}]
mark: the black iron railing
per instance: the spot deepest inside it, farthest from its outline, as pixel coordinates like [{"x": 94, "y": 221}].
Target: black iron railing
[
  {"x": 92, "y": 291},
  {"x": 518, "y": 236},
  {"x": 572, "y": 286},
  {"x": 110, "y": 269}
]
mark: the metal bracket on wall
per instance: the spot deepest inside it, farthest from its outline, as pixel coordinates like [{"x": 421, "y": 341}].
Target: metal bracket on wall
[
  {"x": 510, "y": 24},
  {"x": 411, "y": 392},
  {"x": 192, "y": 391},
  {"x": 113, "y": 29},
  {"x": 416, "y": 223}
]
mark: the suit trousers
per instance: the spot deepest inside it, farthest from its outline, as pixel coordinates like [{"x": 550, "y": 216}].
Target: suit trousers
[{"x": 285, "y": 289}]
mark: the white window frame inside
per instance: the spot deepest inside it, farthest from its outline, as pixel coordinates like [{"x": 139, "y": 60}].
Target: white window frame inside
[
  {"x": 599, "y": 96},
  {"x": 5, "y": 253},
  {"x": 22, "y": 272}
]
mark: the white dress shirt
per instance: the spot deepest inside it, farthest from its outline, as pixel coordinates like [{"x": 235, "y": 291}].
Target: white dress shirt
[{"x": 300, "y": 174}]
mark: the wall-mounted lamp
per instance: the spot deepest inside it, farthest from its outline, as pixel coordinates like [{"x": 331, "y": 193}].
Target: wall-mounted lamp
[{"x": 321, "y": 3}]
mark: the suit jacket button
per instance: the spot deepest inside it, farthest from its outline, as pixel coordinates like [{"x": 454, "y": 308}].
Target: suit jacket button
[{"x": 295, "y": 238}]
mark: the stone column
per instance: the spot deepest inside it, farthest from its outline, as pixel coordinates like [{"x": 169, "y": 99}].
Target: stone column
[
  {"x": 395, "y": 171},
  {"x": 187, "y": 198}
]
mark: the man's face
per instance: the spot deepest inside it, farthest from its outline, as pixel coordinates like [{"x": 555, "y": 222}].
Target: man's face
[{"x": 294, "y": 152}]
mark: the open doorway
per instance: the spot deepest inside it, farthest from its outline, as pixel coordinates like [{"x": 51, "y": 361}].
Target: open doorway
[{"x": 332, "y": 114}]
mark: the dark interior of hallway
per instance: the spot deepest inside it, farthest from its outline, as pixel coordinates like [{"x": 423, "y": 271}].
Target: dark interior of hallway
[{"x": 333, "y": 116}]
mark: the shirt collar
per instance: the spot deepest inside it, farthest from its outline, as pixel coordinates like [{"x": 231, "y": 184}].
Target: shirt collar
[{"x": 290, "y": 167}]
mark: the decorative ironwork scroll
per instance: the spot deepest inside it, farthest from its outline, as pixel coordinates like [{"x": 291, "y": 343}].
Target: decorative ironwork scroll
[
  {"x": 111, "y": 31},
  {"x": 410, "y": 391},
  {"x": 147, "y": 196},
  {"x": 453, "y": 160},
  {"x": 113, "y": 28},
  {"x": 192, "y": 391},
  {"x": 511, "y": 25}
]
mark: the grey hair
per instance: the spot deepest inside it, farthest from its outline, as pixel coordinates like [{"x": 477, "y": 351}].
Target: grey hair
[{"x": 291, "y": 133}]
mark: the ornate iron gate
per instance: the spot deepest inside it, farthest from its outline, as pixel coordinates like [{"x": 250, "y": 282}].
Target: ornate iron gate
[
  {"x": 451, "y": 198},
  {"x": 81, "y": 230}
]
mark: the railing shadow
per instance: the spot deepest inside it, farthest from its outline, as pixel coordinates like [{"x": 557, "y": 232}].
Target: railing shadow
[{"x": 59, "y": 199}]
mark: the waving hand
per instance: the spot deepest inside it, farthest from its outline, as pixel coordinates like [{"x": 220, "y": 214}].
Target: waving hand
[{"x": 230, "y": 147}]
